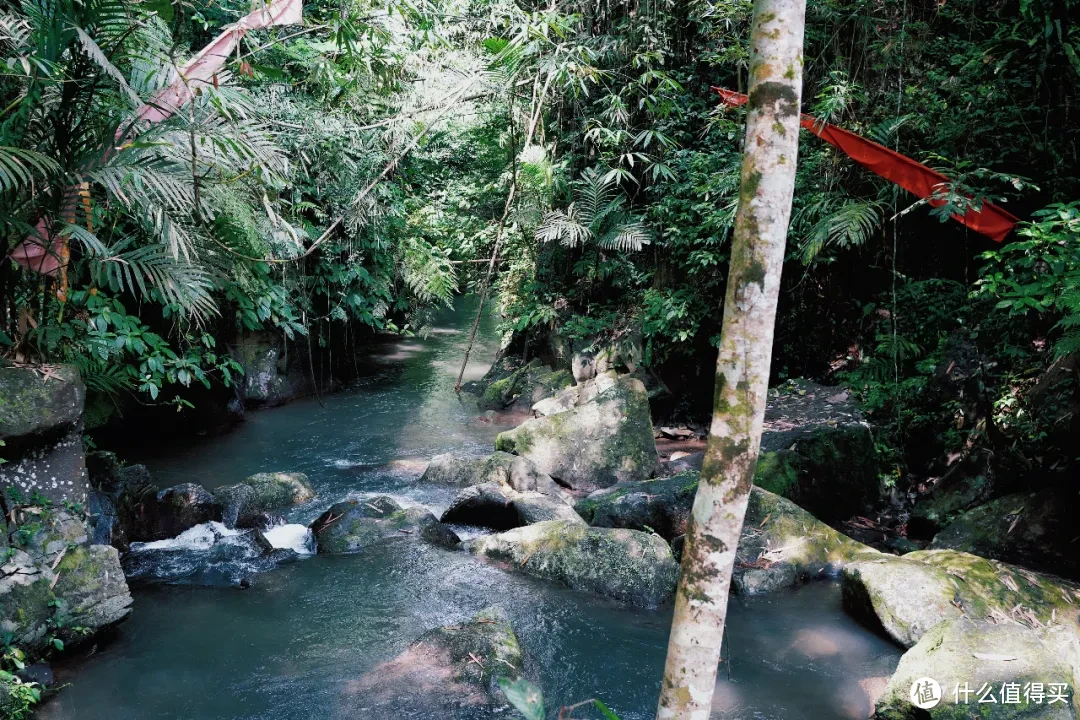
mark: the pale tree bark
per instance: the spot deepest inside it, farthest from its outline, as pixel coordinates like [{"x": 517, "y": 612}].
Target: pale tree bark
[{"x": 742, "y": 369}]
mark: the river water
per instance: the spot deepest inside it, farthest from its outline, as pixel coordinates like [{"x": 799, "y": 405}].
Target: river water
[{"x": 292, "y": 646}]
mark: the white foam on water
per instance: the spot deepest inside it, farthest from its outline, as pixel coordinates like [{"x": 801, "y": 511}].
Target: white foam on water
[
  {"x": 292, "y": 536},
  {"x": 200, "y": 537}
]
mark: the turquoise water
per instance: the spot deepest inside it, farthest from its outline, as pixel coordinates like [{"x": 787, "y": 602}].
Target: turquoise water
[{"x": 292, "y": 646}]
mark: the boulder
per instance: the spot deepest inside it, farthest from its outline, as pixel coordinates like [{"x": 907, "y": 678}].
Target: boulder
[
  {"x": 39, "y": 401},
  {"x": 1035, "y": 530},
  {"x": 523, "y": 387},
  {"x": 350, "y": 526},
  {"x": 594, "y": 445},
  {"x": 81, "y": 586},
  {"x": 781, "y": 545},
  {"x": 628, "y": 565},
  {"x": 500, "y": 507},
  {"x": 446, "y": 672},
  {"x": 575, "y": 395},
  {"x": 907, "y": 596},
  {"x": 965, "y": 656},
  {"x": 246, "y": 504},
  {"x": 174, "y": 510},
  {"x": 661, "y": 505},
  {"x": 944, "y": 502},
  {"x": 208, "y": 554},
  {"x": 102, "y": 517},
  {"x": 272, "y": 375},
  {"x": 25, "y": 594},
  {"x": 91, "y": 591},
  {"x": 817, "y": 450},
  {"x": 41, "y": 424},
  {"x": 502, "y": 468}
]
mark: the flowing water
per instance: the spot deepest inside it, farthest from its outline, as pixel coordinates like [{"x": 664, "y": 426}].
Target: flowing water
[{"x": 292, "y": 646}]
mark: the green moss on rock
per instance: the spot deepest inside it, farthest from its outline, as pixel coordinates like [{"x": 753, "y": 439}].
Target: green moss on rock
[
  {"x": 628, "y": 565},
  {"x": 594, "y": 445}
]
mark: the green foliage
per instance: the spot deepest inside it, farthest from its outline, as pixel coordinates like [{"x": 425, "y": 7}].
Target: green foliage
[
  {"x": 1040, "y": 275},
  {"x": 528, "y": 700}
]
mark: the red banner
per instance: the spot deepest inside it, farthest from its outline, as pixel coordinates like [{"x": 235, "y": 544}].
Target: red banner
[{"x": 991, "y": 220}]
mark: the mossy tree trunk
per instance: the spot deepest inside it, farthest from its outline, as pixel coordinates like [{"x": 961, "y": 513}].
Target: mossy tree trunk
[{"x": 742, "y": 372}]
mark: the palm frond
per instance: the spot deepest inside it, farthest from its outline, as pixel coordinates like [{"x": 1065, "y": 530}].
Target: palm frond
[
  {"x": 850, "y": 225},
  {"x": 19, "y": 168}
]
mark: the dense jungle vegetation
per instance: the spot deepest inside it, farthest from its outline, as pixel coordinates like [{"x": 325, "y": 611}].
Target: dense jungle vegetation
[{"x": 345, "y": 177}]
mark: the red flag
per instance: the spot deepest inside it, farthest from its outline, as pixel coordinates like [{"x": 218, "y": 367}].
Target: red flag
[{"x": 991, "y": 220}]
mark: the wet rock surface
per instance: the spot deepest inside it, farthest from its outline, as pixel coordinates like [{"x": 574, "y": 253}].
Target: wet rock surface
[
  {"x": 350, "y": 526},
  {"x": 208, "y": 554},
  {"x": 445, "y": 671},
  {"x": 247, "y": 504}
]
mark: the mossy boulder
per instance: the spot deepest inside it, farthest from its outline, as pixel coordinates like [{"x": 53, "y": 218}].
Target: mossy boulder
[
  {"x": 172, "y": 511},
  {"x": 627, "y": 565},
  {"x": 817, "y": 450},
  {"x": 39, "y": 401},
  {"x": 500, "y": 507},
  {"x": 661, "y": 505},
  {"x": 943, "y": 504},
  {"x": 595, "y": 445},
  {"x": 964, "y": 654},
  {"x": 246, "y": 504},
  {"x": 907, "y": 596},
  {"x": 91, "y": 590},
  {"x": 781, "y": 545},
  {"x": 1036, "y": 530},
  {"x": 575, "y": 395},
  {"x": 271, "y": 374},
  {"x": 523, "y": 387},
  {"x": 350, "y": 526},
  {"x": 445, "y": 672},
  {"x": 25, "y": 597},
  {"x": 501, "y": 468}
]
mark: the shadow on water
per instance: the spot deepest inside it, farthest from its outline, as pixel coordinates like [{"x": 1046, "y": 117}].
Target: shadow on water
[{"x": 293, "y": 646}]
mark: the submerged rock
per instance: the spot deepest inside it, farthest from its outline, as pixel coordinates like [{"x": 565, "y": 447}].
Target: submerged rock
[
  {"x": 500, "y": 507},
  {"x": 908, "y": 596},
  {"x": 246, "y": 504},
  {"x": 965, "y": 656},
  {"x": 602, "y": 442},
  {"x": 1036, "y": 530},
  {"x": 628, "y": 565},
  {"x": 350, "y": 526},
  {"x": 207, "y": 554},
  {"x": 445, "y": 671}
]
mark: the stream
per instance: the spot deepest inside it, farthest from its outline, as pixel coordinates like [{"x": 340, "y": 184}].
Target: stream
[{"x": 292, "y": 646}]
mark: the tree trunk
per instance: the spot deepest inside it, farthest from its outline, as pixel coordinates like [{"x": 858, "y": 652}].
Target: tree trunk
[{"x": 742, "y": 368}]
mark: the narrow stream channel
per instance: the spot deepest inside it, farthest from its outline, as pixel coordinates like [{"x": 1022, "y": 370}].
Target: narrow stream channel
[{"x": 291, "y": 646}]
